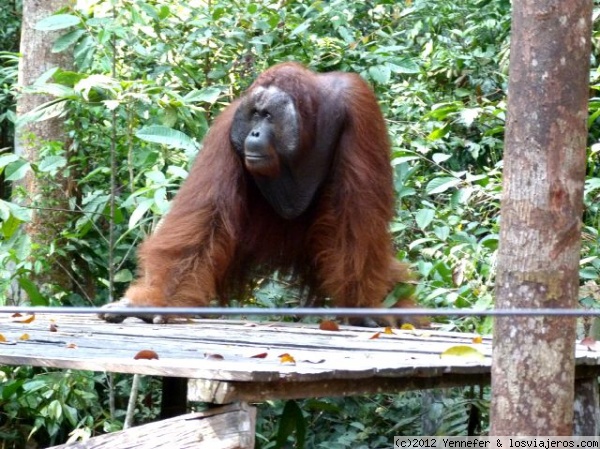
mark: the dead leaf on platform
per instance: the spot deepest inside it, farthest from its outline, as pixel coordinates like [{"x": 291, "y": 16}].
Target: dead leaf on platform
[
  {"x": 2, "y": 339},
  {"x": 478, "y": 339},
  {"x": 389, "y": 331},
  {"x": 18, "y": 318},
  {"x": 146, "y": 354},
  {"x": 214, "y": 356},
  {"x": 249, "y": 324},
  {"x": 328, "y": 325},
  {"x": 71, "y": 346},
  {"x": 375, "y": 335},
  {"x": 407, "y": 327},
  {"x": 53, "y": 327},
  {"x": 262, "y": 355},
  {"x": 590, "y": 342},
  {"x": 286, "y": 358},
  {"x": 24, "y": 337},
  {"x": 462, "y": 351}
]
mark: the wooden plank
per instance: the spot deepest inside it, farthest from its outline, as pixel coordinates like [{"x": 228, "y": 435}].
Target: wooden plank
[
  {"x": 227, "y": 427},
  {"x": 224, "y": 350},
  {"x": 225, "y": 392}
]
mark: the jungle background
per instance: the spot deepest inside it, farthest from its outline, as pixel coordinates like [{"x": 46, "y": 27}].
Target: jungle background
[{"x": 146, "y": 81}]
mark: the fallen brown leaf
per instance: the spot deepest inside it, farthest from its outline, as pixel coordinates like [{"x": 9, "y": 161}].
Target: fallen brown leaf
[
  {"x": 328, "y": 325},
  {"x": 18, "y": 318},
  {"x": 146, "y": 354}
]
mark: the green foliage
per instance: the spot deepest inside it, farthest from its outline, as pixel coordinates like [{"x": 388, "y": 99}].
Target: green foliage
[
  {"x": 49, "y": 402},
  {"x": 149, "y": 78},
  {"x": 369, "y": 423},
  {"x": 58, "y": 406}
]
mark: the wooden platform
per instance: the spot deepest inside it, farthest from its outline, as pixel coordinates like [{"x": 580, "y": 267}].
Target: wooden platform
[
  {"x": 246, "y": 355},
  {"x": 230, "y": 361},
  {"x": 241, "y": 360}
]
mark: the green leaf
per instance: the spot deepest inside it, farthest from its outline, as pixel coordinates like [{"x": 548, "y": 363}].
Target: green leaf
[
  {"x": 150, "y": 10},
  {"x": 380, "y": 74},
  {"x": 140, "y": 211},
  {"x": 57, "y": 22},
  {"x": 11, "y": 388},
  {"x": 10, "y": 225},
  {"x": 438, "y": 158},
  {"x": 71, "y": 414},
  {"x": 403, "y": 159},
  {"x": 439, "y": 185},
  {"x": 124, "y": 276},
  {"x": 19, "y": 212},
  {"x": 66, "y": 40},
  {"x": 46, "y": 111},
  {"x": 406, "y": 65},
  {"x": 16, "y": 170},
  {"x": 588, "y": 273},
  {"x": 6, "y": 159},
  {"x": 591, "y": 184},
  {"x": 462, "y": 351},
  {"x": 301, "y": 28},
  {"x": 208, "y": 95},
  {"x": 166, "y": 136},
  {"x": 177, "y": 172},
  {"x": 468, "y": 116},
  {"x": 292, "y": 420},
  {"x": 157, "y": 177},
  {"x": 438, "y": 133},
  {"x": 55, "y": 410},
  {"x": 32, "y": 291},
  {"x": 424, "y": 217},
  {"x": 461, "y": 196},
  {"x": 52, "y": 163},
  {"x": 442, "y": 232}
]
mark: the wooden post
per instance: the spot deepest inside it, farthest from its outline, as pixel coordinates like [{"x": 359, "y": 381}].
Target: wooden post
[{"x": 586, "y": 420}]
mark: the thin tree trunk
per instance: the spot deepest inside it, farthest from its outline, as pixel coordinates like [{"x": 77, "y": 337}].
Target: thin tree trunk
[
  {"x": 48, "y": 197},
  {"x": 538, "y": 260}
]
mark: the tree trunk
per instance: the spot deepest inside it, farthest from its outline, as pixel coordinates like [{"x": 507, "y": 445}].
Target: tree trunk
[
  {"x": 47, "y": 197},
  {"x": 538, "y": 260}
]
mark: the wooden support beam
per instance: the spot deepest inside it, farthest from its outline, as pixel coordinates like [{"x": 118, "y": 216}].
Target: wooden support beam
[
  {"x": 228, "y": 427},
  {"x": 225, "y": 392}
]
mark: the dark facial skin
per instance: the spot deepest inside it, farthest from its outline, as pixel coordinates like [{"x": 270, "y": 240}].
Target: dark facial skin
[
  {"x": 266, "y": 134},
  {"x": 265, "y": 131}
]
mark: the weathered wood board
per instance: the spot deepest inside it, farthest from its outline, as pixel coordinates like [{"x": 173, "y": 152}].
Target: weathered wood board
[
  {"x": 222, "y": 355},
  {"x": 227, "y": 427}
]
